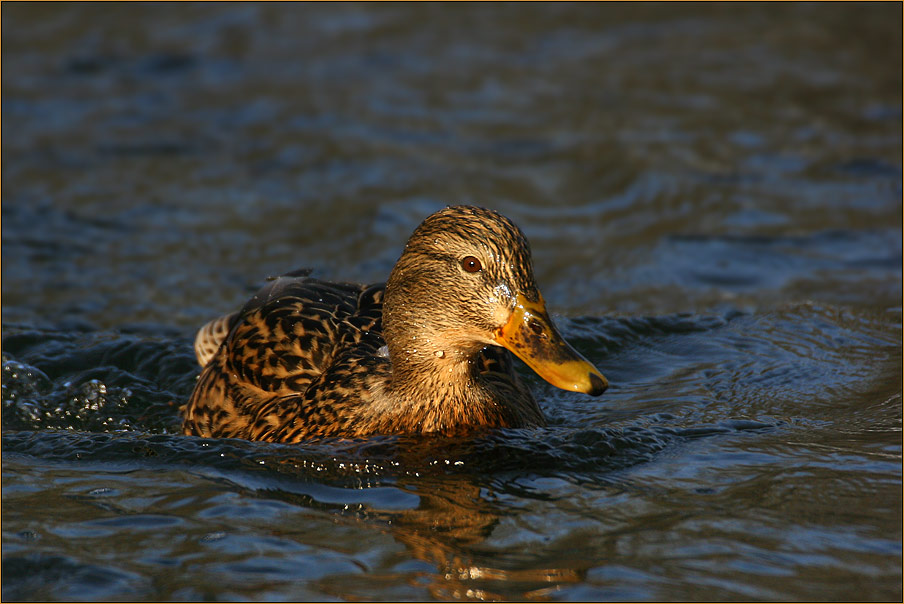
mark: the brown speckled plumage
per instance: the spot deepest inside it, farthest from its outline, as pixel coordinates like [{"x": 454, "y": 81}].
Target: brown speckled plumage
[{"x": 306, "y": 358}]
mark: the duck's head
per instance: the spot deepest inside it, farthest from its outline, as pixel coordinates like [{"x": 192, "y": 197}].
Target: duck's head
[{"x": 465, "y": 281}]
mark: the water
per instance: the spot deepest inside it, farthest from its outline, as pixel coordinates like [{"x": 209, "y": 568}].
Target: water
[{"x": 713, "y": 197}]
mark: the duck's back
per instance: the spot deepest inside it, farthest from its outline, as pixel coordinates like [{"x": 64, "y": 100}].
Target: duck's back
[{"x": 282, "y": 341}]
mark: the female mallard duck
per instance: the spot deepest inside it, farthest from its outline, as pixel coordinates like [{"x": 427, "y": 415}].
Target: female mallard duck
[{"x": 306, "y": 358}]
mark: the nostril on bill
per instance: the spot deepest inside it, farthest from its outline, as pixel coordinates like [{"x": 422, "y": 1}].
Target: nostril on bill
[{"x": 536, "y": 328}]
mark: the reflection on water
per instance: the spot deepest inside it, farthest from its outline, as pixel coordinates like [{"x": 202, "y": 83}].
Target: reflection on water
[
  {"x": 712, "y": 194},
  {"x": 447, "y": 530}
]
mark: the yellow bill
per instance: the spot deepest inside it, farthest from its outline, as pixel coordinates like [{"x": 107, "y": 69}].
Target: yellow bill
[{"x": 532, "y": 337}]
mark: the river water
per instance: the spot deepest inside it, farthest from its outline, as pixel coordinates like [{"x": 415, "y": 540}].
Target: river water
[{"x": 713, "y": 197}]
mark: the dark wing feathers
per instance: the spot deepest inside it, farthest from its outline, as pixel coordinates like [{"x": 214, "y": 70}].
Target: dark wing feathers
[{"x": 283, "y": 340}]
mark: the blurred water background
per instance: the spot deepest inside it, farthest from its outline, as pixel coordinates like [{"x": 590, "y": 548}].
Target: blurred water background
[{"x": 713, "y": 197}]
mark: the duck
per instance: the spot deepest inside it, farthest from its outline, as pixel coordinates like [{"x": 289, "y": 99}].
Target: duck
[{"x": 430, "y": 351}]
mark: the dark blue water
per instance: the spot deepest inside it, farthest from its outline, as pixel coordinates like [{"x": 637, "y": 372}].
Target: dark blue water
[{"x": 713, "y": 198}]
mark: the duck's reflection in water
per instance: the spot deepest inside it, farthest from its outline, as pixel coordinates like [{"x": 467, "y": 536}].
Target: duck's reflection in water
[
  {"x": 446, "y": 524},
  {"x": 449, "y": 529}
]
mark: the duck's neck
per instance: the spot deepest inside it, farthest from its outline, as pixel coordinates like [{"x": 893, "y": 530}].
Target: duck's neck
[
  {"x": 424, "y": 367},
  {"x": 439, "y": 387},
  {"x": 421, "y": 354}
]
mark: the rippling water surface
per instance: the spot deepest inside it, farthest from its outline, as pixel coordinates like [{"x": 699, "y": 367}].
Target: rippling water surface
[{"x": 713, "y": 197}]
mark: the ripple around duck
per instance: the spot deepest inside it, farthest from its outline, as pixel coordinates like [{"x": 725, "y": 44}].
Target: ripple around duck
[
  {"x": 113, "y": 398},
  {"x": 79, "y": 379},
  {"x": 105, "y": 382},
  {"x": 64, "y": 379},
  {"x": 584, "y": 454}
]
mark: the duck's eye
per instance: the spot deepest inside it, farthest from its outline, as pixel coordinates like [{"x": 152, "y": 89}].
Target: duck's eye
[{"x": 471, "y": 264}]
